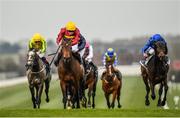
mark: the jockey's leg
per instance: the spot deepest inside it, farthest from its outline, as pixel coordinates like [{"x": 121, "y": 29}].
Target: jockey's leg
[
  {"x": 167, "y": 60},
  {"x": 118, "y": 74},
  {"x": 95, "y": 69},
  {"x": 56, "y": 61},
  {"x": 150, "y": 51},
  {"x": 46, "y": 63}
]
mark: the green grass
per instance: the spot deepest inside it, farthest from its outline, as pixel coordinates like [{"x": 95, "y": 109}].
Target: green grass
[
  {"x": 90, "y": 113},
  {"x": 16, "y": 101}
]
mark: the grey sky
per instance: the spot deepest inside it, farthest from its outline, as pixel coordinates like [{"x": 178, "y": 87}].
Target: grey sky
[{"x": 104, "y": 19}]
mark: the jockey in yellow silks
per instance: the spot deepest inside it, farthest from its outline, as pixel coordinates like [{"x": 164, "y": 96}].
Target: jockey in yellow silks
[{"x": 38, "y": 43}]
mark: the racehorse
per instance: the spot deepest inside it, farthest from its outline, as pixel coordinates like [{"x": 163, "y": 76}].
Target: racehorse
[
  {"x": 36, "y": 74},
  {"x": 70, "y": 74},
  {"x": 155, "y": 73},
  {"x": 90, "y": 84},
  {"x": 111, "y": 85}
]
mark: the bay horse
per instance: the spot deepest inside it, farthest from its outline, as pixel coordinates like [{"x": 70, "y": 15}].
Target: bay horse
[
  {"x": 90, "y": 84},
  {"x": 156, "y": 73},
  {"x": 70, "y": 74},
  {"x": 36, "y": 74},
  {"x": 111, "y": 85}
]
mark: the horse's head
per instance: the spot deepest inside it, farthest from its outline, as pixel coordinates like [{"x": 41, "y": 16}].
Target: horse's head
[
  {"x": 160, "y": 49},
  {"x": 110, "y": 69},
  {"x": 31, "y": 57},
  {"x": 66, "y": 50}
]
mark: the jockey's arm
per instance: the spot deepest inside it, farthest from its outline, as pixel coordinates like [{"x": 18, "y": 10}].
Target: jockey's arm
[
  {"x": 30, "y": 44},
  {"x": 104, "y": 60},
  {"x": 115, "y": 61},
  {"x": 147, "y": 45},
  {"x": 44, "y": 46},
  {"x": 90, "y": 56},
  {"x": 60, "y": 36},
  {"x": 81, "y": 43}
]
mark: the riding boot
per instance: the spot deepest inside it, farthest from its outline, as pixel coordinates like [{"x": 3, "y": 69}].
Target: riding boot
[
  {"x": 56, "y": 61},
  {"x": 147, "y": 60},
  {"x": 78, "y": 57},
  {"x": 167, "y": 60},
  {"x": 46, "y": 64},
  {"x": 95, "y": 69},
  {"x": 26, "y": 65},
  {"x": 48, "y": 69},
  {"x": 118, "y": 74}
]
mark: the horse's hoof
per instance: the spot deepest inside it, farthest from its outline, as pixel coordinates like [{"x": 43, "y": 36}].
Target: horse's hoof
[
  {"x": 93, "y": 106},
  {"x": 112, "y": 105},
  {"x": 89, "y": 106},
  {"x": 163, "y": 103},
  {"x": 159, "y": 103},
  {"x": 47, "y": 100},
  {"x": 147, "y": 103},
  {"x": 153, "y": 97},
  {"x": 119, "y": 106}
]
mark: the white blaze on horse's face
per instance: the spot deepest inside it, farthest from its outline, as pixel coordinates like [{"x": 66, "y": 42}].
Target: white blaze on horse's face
[
  {"x": 110, "y": 72},
  {"x": 31, "y": 55}
]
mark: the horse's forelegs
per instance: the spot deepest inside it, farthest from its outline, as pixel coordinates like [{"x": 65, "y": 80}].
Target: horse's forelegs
[
  {"x": 160, "y": 93},
  {"x": 107, "y": 100},
  {"x": 77, "y": 99},
  {"x": 93, "y": 95},
  {"x": 47, "y": 89},
  {"x": 89, "y": 96},
  {"x": 32, "y": 95},
  {"x": 63, "y": 89},
  {"x": 114, "y": 98},
  {"x": 153, "y": 96},
  {"x": 118, "y": 97},
  {"x": 165, "y": 93},
  {"x": 147, "y": 91},
  {"x": 39, "y": 95}
]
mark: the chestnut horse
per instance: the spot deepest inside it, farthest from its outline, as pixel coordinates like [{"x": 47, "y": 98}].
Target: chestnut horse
[
  {"x": 36, "y": 74},
  {"x": 70, "y": 74},
  {"x": 111, "y": 85},
  {"x": 155, "y": 73}
]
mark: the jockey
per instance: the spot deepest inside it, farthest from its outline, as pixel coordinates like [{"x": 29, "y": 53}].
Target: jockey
[
  {"x": 71, "y": 32},
  {"x": 38, "y": 43},
  {"x": 110, "y": 57},
  {"x": 87, "y": 56},
  {"x": 148, "y": 50}
]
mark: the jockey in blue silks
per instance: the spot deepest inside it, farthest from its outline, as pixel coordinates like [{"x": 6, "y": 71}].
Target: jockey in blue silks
[
  {"x": 148, "y": 49},
  {"x": 110, "y": 57}
]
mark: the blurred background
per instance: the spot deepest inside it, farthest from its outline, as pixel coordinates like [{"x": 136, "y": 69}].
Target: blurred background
[{"x": 124, "y": 25}]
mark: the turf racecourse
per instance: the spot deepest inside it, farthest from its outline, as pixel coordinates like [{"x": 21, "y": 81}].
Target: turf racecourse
[{"x": 16, "y": 101}]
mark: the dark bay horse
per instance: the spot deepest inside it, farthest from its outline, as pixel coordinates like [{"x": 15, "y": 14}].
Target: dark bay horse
[
  {"x": 36, "y": 74},
  {"x": 70, "y": 74},
  {"x": 90, "y": 84},
  {"x": 156, "y": 73},
  {"x": 111, "y": 85}
]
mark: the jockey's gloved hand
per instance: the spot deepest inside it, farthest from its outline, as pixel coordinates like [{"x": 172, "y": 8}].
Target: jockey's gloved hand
[
  {"x": 38, "y": 52},
  {"x": 145, "y": 55},
  {"x": 75, "y": 48}
]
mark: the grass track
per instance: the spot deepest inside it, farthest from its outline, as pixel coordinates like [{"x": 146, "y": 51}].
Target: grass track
[
  {"x": 16, "y": 101},
  {"x": 90, "y": 113}
]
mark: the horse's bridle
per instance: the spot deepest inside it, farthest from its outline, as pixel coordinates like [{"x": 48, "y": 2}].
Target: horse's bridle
[
  {"x": 32, "y": 62},
  {"x": 112, "y": 76}
]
